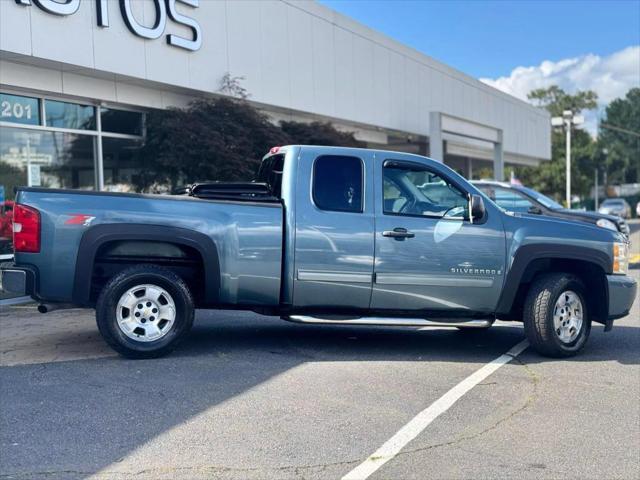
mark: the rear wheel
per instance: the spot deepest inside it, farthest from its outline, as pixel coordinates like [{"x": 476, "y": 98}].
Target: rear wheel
[
  {"x": 144, "y": 311},
  {"x": 556, "y": 320}
]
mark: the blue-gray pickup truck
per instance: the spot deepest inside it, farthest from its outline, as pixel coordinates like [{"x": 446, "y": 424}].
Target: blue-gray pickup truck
[{"x": 322, "y": 235}]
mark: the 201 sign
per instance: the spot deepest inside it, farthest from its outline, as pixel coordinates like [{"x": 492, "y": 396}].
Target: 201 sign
[{"x": 164, "y": 9}]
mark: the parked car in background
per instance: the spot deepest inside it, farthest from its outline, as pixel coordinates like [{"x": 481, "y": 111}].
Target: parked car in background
[
  {"x": 638, "y": 209},
  {"x": 516, "y": 198},
  {"x": 616, "y": 206}
]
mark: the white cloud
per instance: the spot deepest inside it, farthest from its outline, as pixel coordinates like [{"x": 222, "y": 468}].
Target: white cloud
[{"x": 609, "y": 76}]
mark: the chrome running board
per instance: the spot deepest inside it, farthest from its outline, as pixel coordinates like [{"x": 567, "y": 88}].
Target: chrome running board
[{"x": 392, "y": 321}]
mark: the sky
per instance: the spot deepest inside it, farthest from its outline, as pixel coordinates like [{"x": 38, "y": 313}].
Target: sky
[{"x": 518, "y": 45}]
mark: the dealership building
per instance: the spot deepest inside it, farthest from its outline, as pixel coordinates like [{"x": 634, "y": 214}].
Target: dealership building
[{"x": 77, "y": 78}]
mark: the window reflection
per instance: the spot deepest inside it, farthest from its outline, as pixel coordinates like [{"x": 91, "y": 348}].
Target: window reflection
[
  {"x": 121, "y": 121},
  {"x": 69, "y": 115},
  {"x": 121, "y": 171},
  {"x": 45, "y": 159}
]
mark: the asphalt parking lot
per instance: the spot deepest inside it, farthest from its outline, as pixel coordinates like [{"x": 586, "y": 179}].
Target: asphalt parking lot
[{"x": 254, "y": 397}]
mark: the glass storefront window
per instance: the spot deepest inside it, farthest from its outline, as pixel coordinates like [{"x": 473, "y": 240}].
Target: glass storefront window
[
  {"x": 121, "y": 171},
  {"x": 121, "y": 121},
  {"x": 38, "y": 157},
  {"x": 45, "y": 159},
  {"x": 19, "y": 109},
  {"x": 69, "y": 115}
]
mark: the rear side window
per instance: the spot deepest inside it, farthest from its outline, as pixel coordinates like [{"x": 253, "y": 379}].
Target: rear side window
[
  {"x": 270, "y": 173},
  {"x": 337, "y": 183}
]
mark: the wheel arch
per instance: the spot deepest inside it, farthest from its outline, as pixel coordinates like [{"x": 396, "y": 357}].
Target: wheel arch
[
  {"x": 530, "y": 261},
  {"x": 99, "y": 236}
]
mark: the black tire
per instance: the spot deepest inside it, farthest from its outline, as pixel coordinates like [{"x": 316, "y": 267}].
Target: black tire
[
  {"x": 107, "y": 305},
  {"x": 539, "y": 310}
]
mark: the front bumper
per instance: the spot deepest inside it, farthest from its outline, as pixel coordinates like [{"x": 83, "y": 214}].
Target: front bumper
[
  {"x": 622, "y": 293},
  {"x": 18, "y": 281}
]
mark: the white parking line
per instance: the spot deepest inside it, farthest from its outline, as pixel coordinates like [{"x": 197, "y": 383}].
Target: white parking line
[{"x": 421, "y": 421}]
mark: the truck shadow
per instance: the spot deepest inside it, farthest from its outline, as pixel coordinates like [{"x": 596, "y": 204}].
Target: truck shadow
[
  {"x": 365, "y": 343},
  {"x": 75, "y": 419}
]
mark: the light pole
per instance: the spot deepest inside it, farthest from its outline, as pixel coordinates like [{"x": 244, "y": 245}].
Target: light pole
[
  {"x": 568, "y": 120},
  {"x": 605, "y": 152}
]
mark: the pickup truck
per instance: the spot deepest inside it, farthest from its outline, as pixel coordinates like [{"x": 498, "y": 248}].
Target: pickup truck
[{"x": 323, "y": 235}]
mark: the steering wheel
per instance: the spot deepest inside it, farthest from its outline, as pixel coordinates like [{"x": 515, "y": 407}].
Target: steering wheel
[
  {"x": 458, "y": 209},
  {"x": 409, "y": 206}
]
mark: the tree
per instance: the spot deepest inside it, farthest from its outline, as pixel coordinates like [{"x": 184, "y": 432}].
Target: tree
[
  {"x": 555, "y": 100},
  {"x": 211, "y": 139},
  {"x": 319, "y": 133},
  {"x": 232, "y": 86},
  {"x": 219, "y": 139},
  {"x": 550, "y": 177},
  {"x": 620, "y": 136}
]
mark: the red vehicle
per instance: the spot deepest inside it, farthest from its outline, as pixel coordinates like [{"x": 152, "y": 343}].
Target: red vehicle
[{"x": 6, "y": 227}]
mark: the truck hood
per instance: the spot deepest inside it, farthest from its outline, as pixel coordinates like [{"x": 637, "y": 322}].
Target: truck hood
[
  {"x": 571, "y": 226},
  {"x": 591, "y": 217},
  {"x": 594, "y": 216}
]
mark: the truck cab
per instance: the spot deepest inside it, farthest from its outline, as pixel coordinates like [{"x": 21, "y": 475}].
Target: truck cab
[{"x": 383, "y": 232}]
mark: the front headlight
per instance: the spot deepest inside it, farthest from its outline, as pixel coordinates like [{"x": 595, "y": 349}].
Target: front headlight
[
  {"x": 620, "y": 258},
  {"x": 604, "y": 223}
]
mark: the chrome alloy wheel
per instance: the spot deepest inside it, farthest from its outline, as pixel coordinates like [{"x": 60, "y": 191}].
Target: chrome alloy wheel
[
  {"x": 567, "y": 316},
  {"x": 146, "y": 313}
]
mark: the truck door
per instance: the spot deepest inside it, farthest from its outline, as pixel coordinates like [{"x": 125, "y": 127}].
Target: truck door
[
  {"x": 429, "y": 256},
  {"x": 334, "y": 229}
]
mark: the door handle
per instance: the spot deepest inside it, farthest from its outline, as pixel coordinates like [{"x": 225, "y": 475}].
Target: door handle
[{"x": 398, "y": 233}]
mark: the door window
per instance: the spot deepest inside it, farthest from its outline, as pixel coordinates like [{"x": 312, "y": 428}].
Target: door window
[
  {"x": 412, "y": 189},
  {"x": 337, "y": 183},
  {"x": 510, "y": 200}
]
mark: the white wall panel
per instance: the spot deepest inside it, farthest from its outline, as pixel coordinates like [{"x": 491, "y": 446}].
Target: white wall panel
[
  {"x": 411, "y": 93},
  {"x": 210, "y": 63},
  {"x": 67, "y": 39},
  {"x": 363, "y": 71},
  {"x": 300, "y": 57},
  {"x": 274, "y": 58},
  {"x": 324, "y": 69},
  {"x": 15, "y": 24},
  {"x": 115, "y": 49},
  {"x": 244, "y": 44},
  {"x": 27, "y": 76},
  {"x": 138, "y": 95},
  {"x": 344, "y": 74},
  {"x": 396, "y": 75},
  {"x": 381, "y": 85},
  {"x": 89, "y": 87},
  {"x": 163, "y": 64}
]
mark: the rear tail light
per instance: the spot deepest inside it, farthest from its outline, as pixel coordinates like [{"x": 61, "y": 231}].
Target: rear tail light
[{"x": 26, "y": 229}]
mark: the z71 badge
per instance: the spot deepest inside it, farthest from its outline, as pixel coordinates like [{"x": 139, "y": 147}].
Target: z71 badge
[{"x": 79, "y": 219}]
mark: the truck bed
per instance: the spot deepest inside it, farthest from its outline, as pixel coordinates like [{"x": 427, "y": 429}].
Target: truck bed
[{"x": 247, "y": 236}]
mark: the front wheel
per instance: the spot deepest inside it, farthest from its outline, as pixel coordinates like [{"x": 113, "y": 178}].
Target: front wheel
[
  {"x": 144, "y": 311},
  {"x": 556, "y": 319}
]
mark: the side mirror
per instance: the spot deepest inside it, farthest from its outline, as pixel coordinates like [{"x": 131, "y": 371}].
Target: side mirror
[
  {"x": 535, "y": 210},
  {"x": 478, "y": 210}
]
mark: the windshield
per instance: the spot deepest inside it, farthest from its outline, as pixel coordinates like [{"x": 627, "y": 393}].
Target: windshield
[
  {"x": 613, "y": 202},
  {"x": 543, "y": 199}
]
